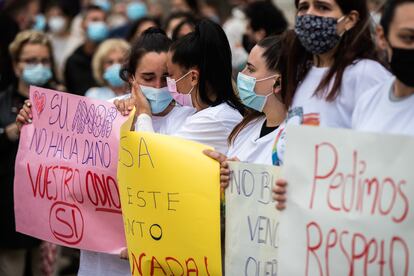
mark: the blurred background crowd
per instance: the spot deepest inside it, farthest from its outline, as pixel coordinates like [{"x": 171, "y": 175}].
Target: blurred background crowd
[{"x": 77, "y": 46}]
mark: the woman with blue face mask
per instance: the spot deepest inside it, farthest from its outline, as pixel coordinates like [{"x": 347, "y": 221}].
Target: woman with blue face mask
[
  {"x": 200, "y": 76},
  {"x": 260, "y": 89},
  {"x": 106, "y": 65},
  {"x": 146, "y": 63},
  {"x": 78, "y": 73},
  {"x": 147, "y": 67},
  {"x": 32, "y": 59}
]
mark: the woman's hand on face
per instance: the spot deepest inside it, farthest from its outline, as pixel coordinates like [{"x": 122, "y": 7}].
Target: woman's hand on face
[
  {"x": 224, "y": 166},
  {"x": 25, "y": 115},
  {"x": 279, "y": 194},
  {"x": 141, "y": 103},
  {"x": 125, "y": 106}
]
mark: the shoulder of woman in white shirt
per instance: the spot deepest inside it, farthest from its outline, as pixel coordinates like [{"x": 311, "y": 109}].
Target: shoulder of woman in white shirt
[
  {"x": 366, "y": 100},
  {"x": 366, "y": 70},
  {"x": 222, "y": 113},
  {"x": 362, "y": 76}
]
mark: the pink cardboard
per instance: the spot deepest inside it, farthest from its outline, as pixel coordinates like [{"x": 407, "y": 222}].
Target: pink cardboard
[{"x": 65, "y": 186}]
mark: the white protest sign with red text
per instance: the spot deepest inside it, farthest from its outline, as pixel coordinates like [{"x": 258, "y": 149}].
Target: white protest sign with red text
[
  {"x": 65, "y": 188},
  {"x": 350, "y": 204}
]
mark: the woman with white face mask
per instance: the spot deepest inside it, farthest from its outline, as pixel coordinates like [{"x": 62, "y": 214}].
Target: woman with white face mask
[
  {"x": 106, "y": 65},
  {"x": 58, "y": 28},
  {"x": 147, "y": 68}
]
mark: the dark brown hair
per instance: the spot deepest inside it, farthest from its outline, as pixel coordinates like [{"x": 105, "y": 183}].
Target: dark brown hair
[
  {"x": 208, "y": 50},
  {"x": 151, "y": 40},
  {"x": 355, "y": 44},
  {"x": 389, "y": 13},
  {"x": 274, "y": 55}
]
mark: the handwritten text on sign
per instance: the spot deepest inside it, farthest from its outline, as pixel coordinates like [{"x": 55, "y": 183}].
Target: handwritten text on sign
[
  {"x": 251, "y": 220},
  {"x": 65, "y": 185},
  {"x": 171, "y": 205},
  {"x": 349, "y": 204}
]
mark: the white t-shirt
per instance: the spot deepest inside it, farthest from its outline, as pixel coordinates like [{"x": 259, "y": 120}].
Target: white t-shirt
[
  {"x": 379, "y": 111},
  {"x": 250, "y": 147},
  {"x": 211, "y": 126},
  {"x": 172, "y": 121},
  {"x": 310, "y": 109}
]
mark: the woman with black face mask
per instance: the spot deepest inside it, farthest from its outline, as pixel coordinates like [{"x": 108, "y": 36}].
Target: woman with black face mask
[
  {"x": 389, "y": 107},
  {"x": 332, "y": 62}
]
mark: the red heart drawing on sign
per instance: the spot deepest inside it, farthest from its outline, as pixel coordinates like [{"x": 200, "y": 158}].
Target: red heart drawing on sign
[{"x": 39, "y": 102}]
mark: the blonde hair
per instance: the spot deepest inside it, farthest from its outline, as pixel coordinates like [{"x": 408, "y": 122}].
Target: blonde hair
[
  {"x": 29, "y": 37},
  {"x": 104, "y": 49}
]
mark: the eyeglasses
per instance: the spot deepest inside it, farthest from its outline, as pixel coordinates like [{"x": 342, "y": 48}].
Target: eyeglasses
[{"x": 36, "y": 61}]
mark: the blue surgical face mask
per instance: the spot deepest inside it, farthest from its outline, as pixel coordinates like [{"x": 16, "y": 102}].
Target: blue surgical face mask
[
  {"x": 103, "y": 4},
  {"x": 246, "y": 85},
  {"x": 111, "y": 75},
  {"x": 37, "y": 74},
  {"x": 159, "y": 98},
  {"x": 136, "y": 10},
  {"x": 40, "y": 23},
  {"x": 97, "y": 31}
]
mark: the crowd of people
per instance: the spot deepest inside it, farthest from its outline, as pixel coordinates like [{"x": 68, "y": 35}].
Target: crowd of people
[{"x": 229, "y": 74}]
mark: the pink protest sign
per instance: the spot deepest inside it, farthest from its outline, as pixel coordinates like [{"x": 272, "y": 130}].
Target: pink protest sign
[{"x": 65, "y": 187}]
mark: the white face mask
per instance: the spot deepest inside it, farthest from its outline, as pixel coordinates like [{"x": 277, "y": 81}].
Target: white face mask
[
  {"x": 376, "y": 17},
  {"x": 57, "y": 24}
]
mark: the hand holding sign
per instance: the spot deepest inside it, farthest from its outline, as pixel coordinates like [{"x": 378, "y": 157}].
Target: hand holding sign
[
  {"x": 171, "y": 214},
  {"x": 224, "y": 165},
  {"x": 347, "y": 204},
  {"x": 25, "y": 115},
  {"x": 279, "y": 194}
]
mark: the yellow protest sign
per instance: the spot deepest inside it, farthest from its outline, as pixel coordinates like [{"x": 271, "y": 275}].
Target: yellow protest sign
[{"x": 170, "y": 199}]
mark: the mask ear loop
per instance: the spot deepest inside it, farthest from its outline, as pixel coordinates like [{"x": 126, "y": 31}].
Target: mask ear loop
[
  {"x": 185, "y": 75},
  {"x": 278, "y": 85},
  {"x": 339, "y": 21},
  {"x": 268, "y": 78}
]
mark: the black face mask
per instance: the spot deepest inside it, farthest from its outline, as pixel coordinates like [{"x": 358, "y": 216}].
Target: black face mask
[
  {"x": 247, "y": 43},
  {"x": 402, "y": 65}
]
